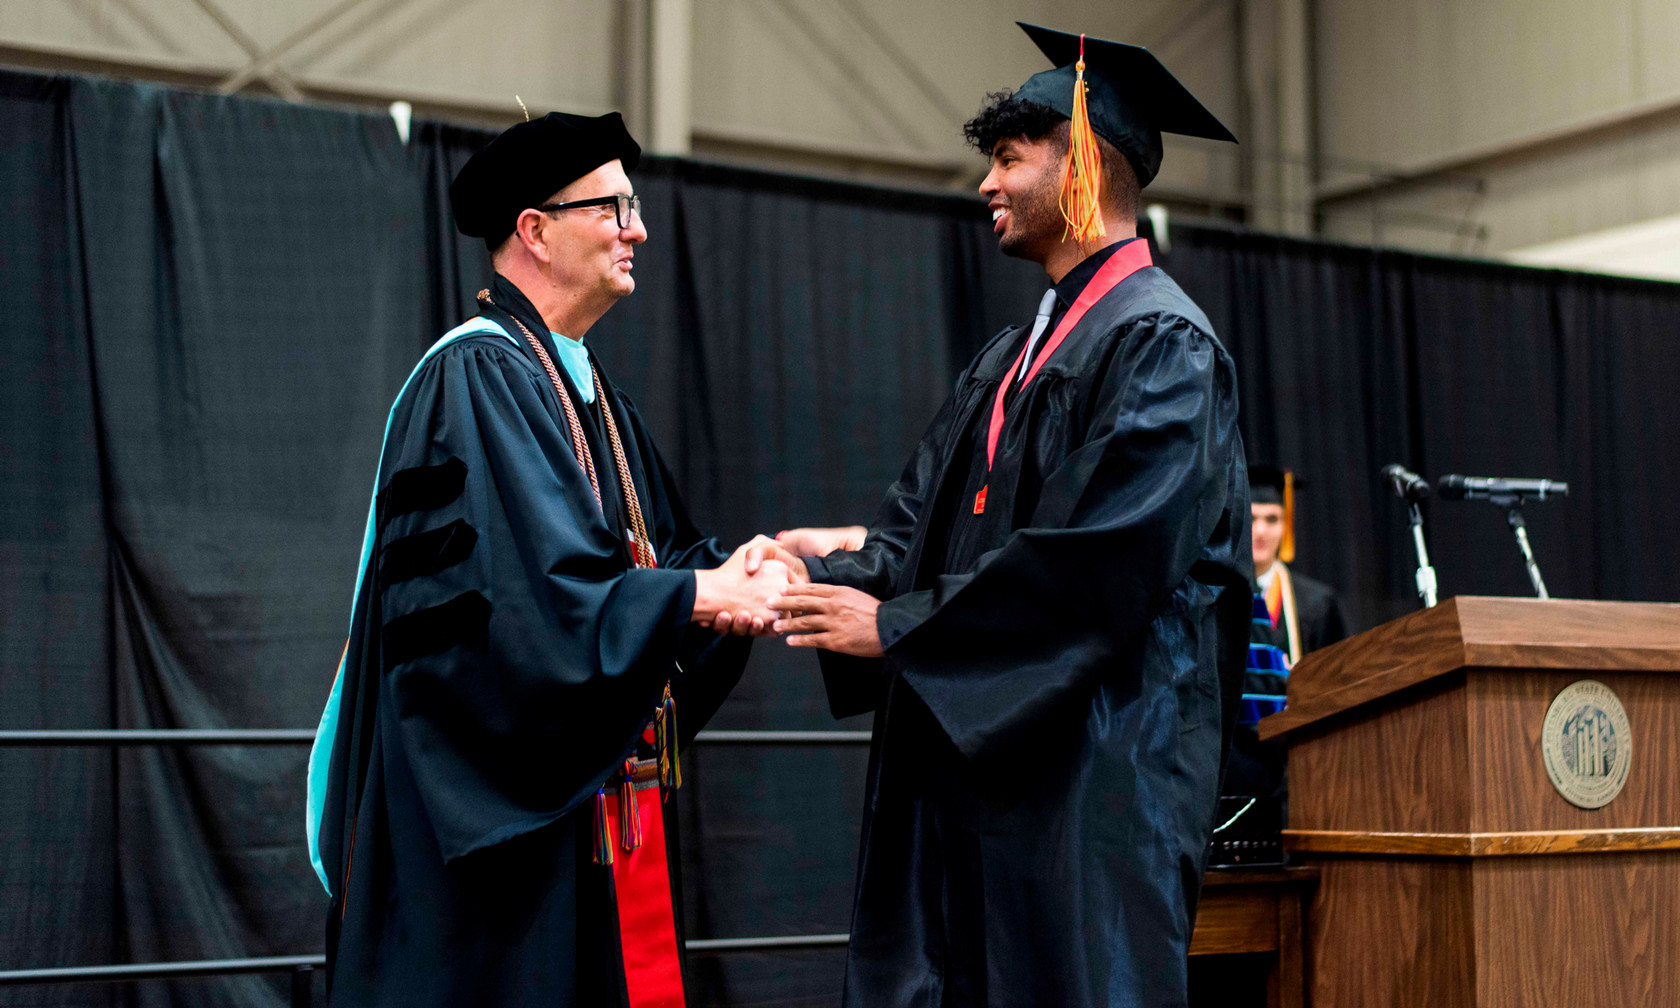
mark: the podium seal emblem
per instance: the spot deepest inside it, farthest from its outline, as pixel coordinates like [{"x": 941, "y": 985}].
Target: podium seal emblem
[{"x": 1587, "y": 744}]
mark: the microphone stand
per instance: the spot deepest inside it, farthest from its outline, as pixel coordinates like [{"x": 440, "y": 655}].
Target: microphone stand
[
  {"x": 1425, "y": 573},
  {"x": 1514, "y": 518}
]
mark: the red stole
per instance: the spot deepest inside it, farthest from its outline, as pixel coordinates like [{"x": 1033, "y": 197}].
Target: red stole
[
  {"x": 1125, "y": 261},
  {"x": 647, "y": 926}
]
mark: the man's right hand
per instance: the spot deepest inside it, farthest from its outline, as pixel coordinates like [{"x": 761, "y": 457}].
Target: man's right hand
[
  {"x": 741, "y": 599},
  {"x": 820, "y": 542}
]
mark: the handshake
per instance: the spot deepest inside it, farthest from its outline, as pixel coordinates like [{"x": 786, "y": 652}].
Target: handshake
[{"x": 763, "y": 588}]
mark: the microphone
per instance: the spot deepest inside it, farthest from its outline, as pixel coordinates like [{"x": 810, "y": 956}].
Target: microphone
[
  {"x": 1413, "y": 489},
  {"x": 1404, "y": 484},
  {"x": 1455, "y": 487}
]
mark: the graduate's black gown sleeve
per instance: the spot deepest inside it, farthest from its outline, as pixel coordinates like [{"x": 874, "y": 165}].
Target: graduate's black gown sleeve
[
  {"x": 523, "y": 659},
  {"x": 1118, "y": 526},
  {"x": 854, "y": 685}
]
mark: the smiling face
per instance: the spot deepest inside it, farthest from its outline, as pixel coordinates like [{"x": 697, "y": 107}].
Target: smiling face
[
  {"x": 589, "y": 255},
  {"x": 1023, "y": 190},
  {"x": 1268, "y": 534}
]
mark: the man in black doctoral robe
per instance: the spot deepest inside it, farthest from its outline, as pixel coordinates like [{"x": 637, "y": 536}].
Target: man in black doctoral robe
[
  {"x": 1063, "y": 573},
  {"x": 1305, "y": 613},
  {"x": 1296, "y": 615},
  {"x": 486, "y": 788}
]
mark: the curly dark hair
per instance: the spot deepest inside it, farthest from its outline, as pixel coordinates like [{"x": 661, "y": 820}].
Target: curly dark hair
[{"x": 1003, "y": 116}]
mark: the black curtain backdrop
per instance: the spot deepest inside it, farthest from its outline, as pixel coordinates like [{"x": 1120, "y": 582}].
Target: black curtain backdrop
[
  {"x": 1353, "y": 358},
  {"x": 208, "y": 302}
]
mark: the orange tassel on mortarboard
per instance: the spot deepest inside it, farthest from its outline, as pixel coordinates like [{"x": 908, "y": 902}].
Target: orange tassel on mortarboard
[
  {"x": 1082, "y": 185},
  {"x": 1286, "y": 545}
]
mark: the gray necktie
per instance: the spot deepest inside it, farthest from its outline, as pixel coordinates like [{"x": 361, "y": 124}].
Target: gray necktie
[{"x": 1046, "y": 305}]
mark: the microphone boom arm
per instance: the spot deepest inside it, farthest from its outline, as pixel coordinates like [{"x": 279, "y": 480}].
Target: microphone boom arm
[
  {"x": 1514, "y": 518},
  {"x": 1425, "y": 573}
]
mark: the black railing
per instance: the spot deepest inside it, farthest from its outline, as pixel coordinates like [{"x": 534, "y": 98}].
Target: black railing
[
  {"x": 305, "y": 736},
  {"x": 302, "y": 968},
  {"x": 783, "y": 737},
  {"x": 158, "y": 736},
  {"x": 703, "y": 946}
]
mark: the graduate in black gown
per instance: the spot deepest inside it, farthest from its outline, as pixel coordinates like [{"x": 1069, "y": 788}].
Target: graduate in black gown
[
  {"x": 1049, "y": 613},
  {"x": 527, "y": 649}
]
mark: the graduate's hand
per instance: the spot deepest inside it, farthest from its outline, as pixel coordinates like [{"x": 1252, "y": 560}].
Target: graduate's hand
[
  {"x": 731, "y": 601},
  {"x": 820, "y": 542},
  {"x": 830, "y": 617},
  {"x": 761, "y": 548}
]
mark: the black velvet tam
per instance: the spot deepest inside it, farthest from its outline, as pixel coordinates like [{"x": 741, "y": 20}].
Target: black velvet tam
[
  {"x": 1131, "y": 97},
  {"x": 531, "y": 162}
]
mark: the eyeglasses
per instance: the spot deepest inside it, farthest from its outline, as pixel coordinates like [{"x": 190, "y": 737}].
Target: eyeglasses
[{"x": 623, "y": 207}]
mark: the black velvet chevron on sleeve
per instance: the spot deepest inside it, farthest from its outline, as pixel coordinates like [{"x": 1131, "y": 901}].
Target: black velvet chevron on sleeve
[
  {"x": 434, "y": 629},
  {"x": 425, "y": 553},
  {"x": 422, "y": 488}
]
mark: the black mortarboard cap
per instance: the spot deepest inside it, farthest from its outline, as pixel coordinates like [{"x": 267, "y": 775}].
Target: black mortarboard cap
[
  {"x": 530, "y": 162},
  {"x": 1265, "y": 483},
  {"x": 1131, "y": 98}
]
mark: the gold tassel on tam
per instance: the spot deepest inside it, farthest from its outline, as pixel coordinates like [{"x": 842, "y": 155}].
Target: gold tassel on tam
[
  {"x": 1286, "y": 545},
  {"x": 1082, "y": 186}
]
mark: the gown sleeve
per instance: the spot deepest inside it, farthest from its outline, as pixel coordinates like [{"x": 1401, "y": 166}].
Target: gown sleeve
[
  {"x": 711, "y": 665},
  {"x": 1119, "y": 525},
  {"x": 854, "y": 684},
  {"x": 520, "y": 658}
]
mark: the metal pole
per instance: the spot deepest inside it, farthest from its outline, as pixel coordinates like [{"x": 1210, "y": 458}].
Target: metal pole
[
  {"x": 281, "y": 81},
  {"x": 783, "y": 737},
  {"x": 263, "y": 63},
  {"x": 670, "y": 84},
  {"x": 50, "y": 738},
  {"x": 303, "y": 987},
  {"x": 1514, "y": 518},
  {"x": 1425, "y": 573},
  {"x": 883, "y": 104},
  {"x": 161, "y": 970},
  {"x": 906, "y": 64},
  {"x": 302, "y": 968},
  {"x": 705, "y": 945},
  {"x": 158, "y": 736},
  {"x": 303, "y": 736}
]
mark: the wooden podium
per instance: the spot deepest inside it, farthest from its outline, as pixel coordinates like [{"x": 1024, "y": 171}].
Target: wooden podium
[{"x": 1454, "y": 873}]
